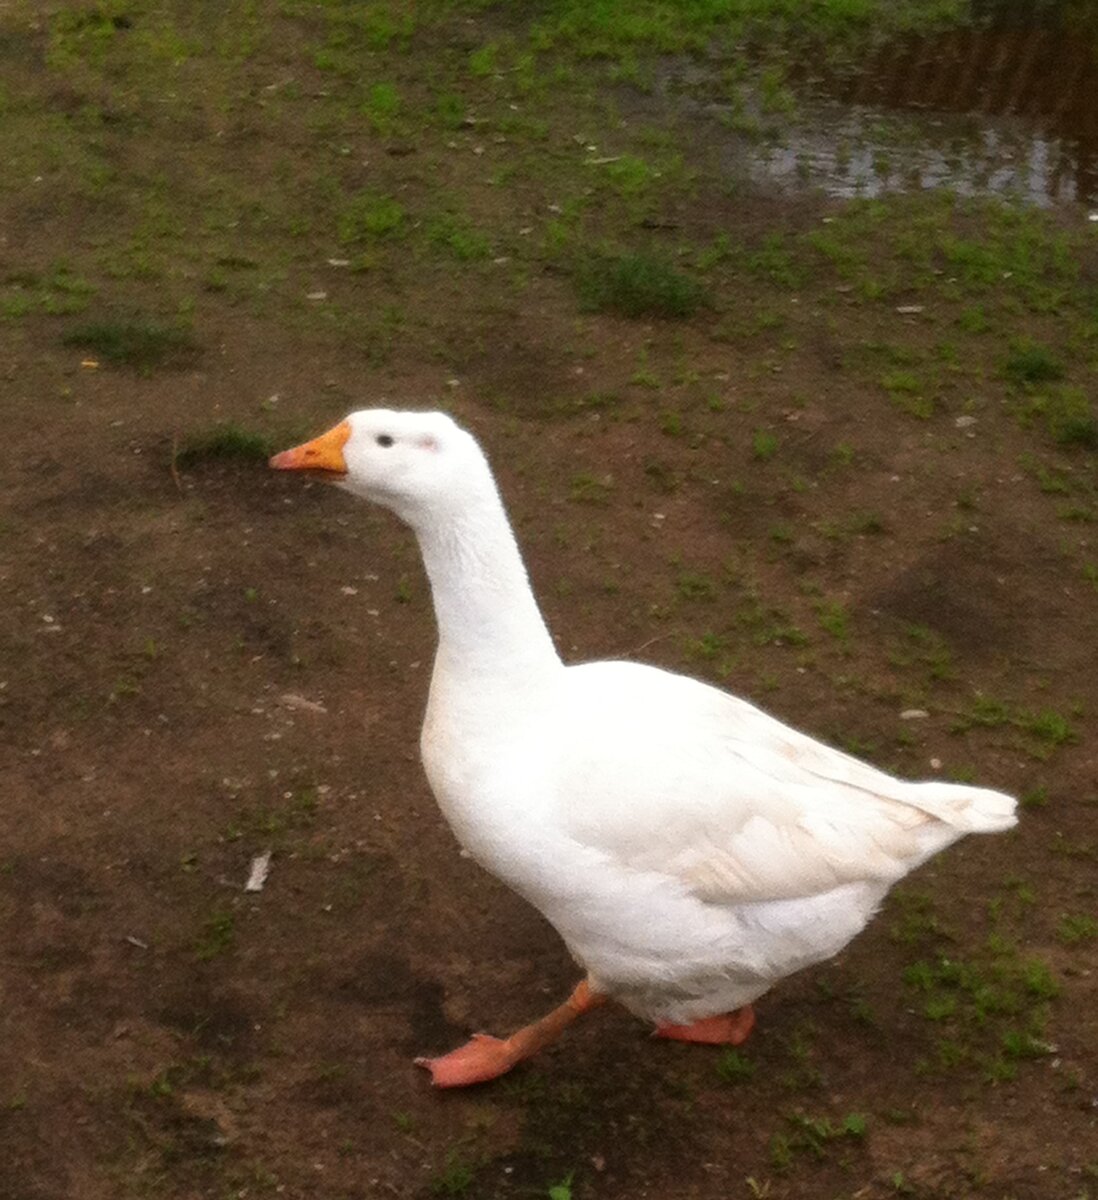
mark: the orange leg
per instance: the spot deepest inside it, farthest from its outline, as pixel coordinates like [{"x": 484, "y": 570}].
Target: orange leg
[
  {"x": 728, "y": 1029},
  {"x": 484, "y": 1057}
]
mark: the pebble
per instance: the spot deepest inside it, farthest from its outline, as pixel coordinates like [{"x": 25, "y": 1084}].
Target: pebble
[{"x": 914, "y": 714}]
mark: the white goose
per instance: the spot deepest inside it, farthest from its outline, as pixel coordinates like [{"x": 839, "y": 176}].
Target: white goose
[{"x": 690, "y": 849}]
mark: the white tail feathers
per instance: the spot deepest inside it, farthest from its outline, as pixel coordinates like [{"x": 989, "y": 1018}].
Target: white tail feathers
[{"x": 967, "y": 809}]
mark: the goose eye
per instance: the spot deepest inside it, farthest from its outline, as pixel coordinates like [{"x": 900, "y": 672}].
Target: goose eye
[{"x": 383, "y": 439}]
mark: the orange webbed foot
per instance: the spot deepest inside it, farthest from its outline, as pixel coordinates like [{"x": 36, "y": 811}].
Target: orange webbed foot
[
  {"x": 483, "y": 1057},
  {"x": 726, "y": 1029}
]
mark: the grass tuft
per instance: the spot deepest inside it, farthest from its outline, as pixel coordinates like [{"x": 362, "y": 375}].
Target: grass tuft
[
  {"x": 216, "y": 937},
  {"x": 1070, "y": 417},
  {"x": 133, "y": 343},
  {"x": 638, "y": 285},
  {"x": 455, "y": 235},
  {"x": 1031, "y": 363},
  {"x": 369, "y": 215},
  {"x": 1077, "y": 927},
  {"x": 222, "y": 442},
  {"x": 735, "y": 1067}
]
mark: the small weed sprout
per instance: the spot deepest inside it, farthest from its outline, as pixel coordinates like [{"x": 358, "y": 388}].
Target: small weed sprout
[
  {"x": 562, "y": 1190},
  {"x": 735, "y": 1067},
  {"x": 455, "y": 1178},
  {"x": 589, "y": 489},
  {"x": 764, "y": 445},
  {"x": 217, "y": 936}
]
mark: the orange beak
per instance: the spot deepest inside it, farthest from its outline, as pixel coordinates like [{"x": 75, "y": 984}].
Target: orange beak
[{"x": 324, "y": 453}]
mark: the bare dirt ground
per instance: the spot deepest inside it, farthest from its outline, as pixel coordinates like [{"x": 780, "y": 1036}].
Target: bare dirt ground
[{"x": 839, "y": 510}]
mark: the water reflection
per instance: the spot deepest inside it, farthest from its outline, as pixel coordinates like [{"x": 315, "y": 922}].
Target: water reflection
[
  {"x": 1009, "y": 108},
  {"x": 1033, "y": 92},
  {"x": 859, "y": 150}
]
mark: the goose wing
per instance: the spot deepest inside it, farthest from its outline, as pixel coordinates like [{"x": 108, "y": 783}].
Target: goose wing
[{"x": 667, "y": 774}]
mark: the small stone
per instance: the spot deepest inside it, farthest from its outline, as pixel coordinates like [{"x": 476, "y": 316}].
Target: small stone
[
  {"x": 914, "y": 714},
  {"x": 257, "y": 875},
  {"x": 964, "y": 422},
  {"x": 301, "y": 704}
]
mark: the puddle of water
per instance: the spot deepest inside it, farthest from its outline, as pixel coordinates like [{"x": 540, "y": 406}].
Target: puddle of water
[
  {"x": 861, "y": 150},
  {"x": 1007, "y": 110}
]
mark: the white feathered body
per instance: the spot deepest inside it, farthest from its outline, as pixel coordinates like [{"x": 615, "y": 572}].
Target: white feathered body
[{"x": 690, "y": 849}]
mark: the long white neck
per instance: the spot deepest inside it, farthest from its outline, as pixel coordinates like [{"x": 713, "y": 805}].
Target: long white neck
[{"x": 489, "y": 624}]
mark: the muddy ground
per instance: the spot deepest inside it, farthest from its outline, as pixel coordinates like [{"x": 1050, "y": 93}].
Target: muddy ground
[{"x": 838, "y": 457}]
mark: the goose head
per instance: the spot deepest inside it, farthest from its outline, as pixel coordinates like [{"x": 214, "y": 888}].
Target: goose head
[{"x": 414, "y": 463}]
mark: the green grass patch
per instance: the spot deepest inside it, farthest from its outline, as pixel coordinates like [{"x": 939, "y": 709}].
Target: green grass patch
[
  {"x": 456, "y": 1176},
  {"x": 456, "y": 236},
  {"x": 638, "y": 285},
  {"x": 368, "y": 216},
  {"x": 56, "y": 292},
  {"x": 834, "y": 619},
  {"x": 381, "y": 106},
  {"x": 812, "y": 1136},
  {"x": 989, "y": 1010},
  {"x": 1068, "y": 415},
  {"x": 1030, "y": 363},
  {"x": 906, "y": 391},
  {"x": 621, "y": 30},
  {"x": 734, "y": 1066},
  {"x": 562, "y": 1190},
  {"x": 774, "y": 261},
  {"x": 224, "y": 442},
  {"x": 133, "y": 343},
  {"x": 217, "y": 936},
  {"x": 1076, "y": 928},
  {"x": 590, "y": 489},
  {"x": 631, "y": 176},
  {"x": 764, "y": 445},
  {"x": 1046, "y": 728},
  {"x": 692, "y": 586}
]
